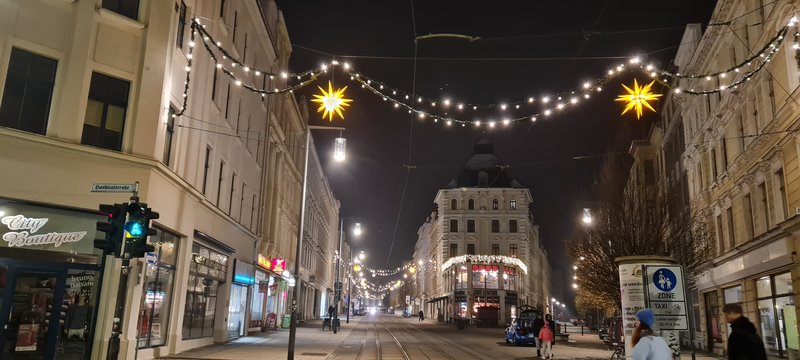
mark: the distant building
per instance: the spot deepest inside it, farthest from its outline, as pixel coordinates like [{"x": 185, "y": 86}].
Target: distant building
[{"x": 479, "y": 254}]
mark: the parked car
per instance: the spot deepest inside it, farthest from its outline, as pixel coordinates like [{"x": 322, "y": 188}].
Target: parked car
[{"x": 520, "y": 331}]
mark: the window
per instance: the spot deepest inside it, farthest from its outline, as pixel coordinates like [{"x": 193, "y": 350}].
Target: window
[
  {"x": 484, "y": 276},
  {"x": 471, "y": 205},
  {"x": 222, "y": 8},
  {"x": 512, "y": 250},
  {"x": 649, "y": 172},
  {"x": 453, "y": 250},
  {"x": 105, "y": 112},
  {"x": 461, "y": 278},
  {"x": 509, "y": 279},
  {"x": 471, "y": 249},
  {"x": 731, "y": 235},
  {"x": 513, "y": 205},
  {"x": 207, "y": 272},
  {"x": 495, "y": 226},
  {"x": 219, "y": 180},
  {"x": 724, "y": 146},
  {"x": 775, "y": 310},
  {"x": 763, "y": 207},
  {"x": 214, "y": 85},
  {"x": 470, "y": 226},
  {"x": 235, "y": 25},
  {"x": 495, "y": 205},
  {"x": 28, "y": 92},
  {"x": 512, "y": 226},
  {"x": 495, "y": 249},
  {"x": 712, "y": 316},
  {"x": 170, "y": 132},
  {"x": 453, "y": 225},
  {"x": 228, "y": 100},
  {"x": 157, "y": 297},
  {"x": 747, "y": 209},
  {"x": 252, "y": 213},
  {"x": 206, "y": 165},
  {"x": 128, "y": 8},
  {"x": 453, "y": 204},
  {"x": 780, "y": 183},
  {"x": 181, "y": 25},
  {"x": 713, "y": 163},
  {"x": 720, "y": 236},
  {"x": 230, "y": 199}
]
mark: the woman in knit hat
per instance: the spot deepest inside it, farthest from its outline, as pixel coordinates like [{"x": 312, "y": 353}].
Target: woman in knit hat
[{"x": 648, "y": 346}]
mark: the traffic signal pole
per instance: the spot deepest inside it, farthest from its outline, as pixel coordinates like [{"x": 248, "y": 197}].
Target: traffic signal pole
[{"x": 122, "y": 294}]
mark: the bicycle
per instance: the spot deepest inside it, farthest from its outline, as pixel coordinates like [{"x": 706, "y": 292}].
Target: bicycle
[{"x": 619, "y": 351}]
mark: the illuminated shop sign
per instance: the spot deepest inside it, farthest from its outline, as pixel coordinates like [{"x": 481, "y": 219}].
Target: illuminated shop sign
[
  {"x": 44, "y": 228},
  {"x": 276, "y": 265}
]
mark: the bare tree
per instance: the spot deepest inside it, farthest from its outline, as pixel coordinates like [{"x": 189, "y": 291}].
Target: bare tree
[{"x": 636, "y": 215}]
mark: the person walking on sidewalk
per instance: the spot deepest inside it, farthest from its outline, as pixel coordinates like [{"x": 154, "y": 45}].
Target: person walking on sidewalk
[
  {"x": 547, "y": 336},
  {"x": 331, "y": 311},
  {"x": 648, "y": 346},
  {"x": 743, "y": 342},
  {"x": 421, "y": 316},
  {"x": 538, "y": 323}
]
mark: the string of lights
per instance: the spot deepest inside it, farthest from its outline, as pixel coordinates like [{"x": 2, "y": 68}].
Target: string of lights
[
  {"x": 188, "y": 69},
  {"x": 439, "y": 110}
]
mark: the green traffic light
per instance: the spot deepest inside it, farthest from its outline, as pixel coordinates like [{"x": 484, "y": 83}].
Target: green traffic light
[{"x": 134, "y": 229}]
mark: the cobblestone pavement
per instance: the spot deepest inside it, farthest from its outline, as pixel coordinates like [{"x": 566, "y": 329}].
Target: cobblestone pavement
[{"x": 389, "y": 337}]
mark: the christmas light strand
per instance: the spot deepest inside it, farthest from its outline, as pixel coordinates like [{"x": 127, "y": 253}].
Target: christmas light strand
[
  {"x": 188, "y": 69},
  {"x": 500, "y": 259}
]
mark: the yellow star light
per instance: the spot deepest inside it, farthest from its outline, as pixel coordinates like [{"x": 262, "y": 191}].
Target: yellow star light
[
  {"x": 331, "y": 101},
  {"x": 638, "y": 97}
]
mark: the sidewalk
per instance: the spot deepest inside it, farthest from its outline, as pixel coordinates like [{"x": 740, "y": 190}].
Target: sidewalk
[{"x": 310, "y": 343}]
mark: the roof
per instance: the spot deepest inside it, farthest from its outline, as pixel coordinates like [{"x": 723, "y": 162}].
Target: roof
[{"x": 484, "y": 169}]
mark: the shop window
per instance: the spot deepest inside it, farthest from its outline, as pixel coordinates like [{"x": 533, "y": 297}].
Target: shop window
[
  {"x": 776, "y": 312},
  {"x": 484, "y": 277},
  {"x": 28, "y": 92},
  {"x": 471, "y": 204},
  {"x": 510, "y": 279},
  {"x": 470, "y": 226},
  {"x": 713, "y": 321},
  {"x": 461, "y": 278},
  {"x": 453, "y": 225},
  {"x": 471, "y": 249},
  {"x": 207, "y": 272},
  {"x": 127, "y": 8},
  {"x": 153, "y": 321},
  {"x": 105, "y": 112},
  {"x": 495, "y": 226},
  {"x": 512, "y": 226}
]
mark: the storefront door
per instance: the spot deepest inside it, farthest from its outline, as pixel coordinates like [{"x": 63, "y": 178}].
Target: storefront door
[
  {"x": 46, "y": 312},
  {"x": 237, "y": 311}
]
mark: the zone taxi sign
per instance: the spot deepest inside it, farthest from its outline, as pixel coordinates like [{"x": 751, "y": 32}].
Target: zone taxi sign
[{"x": 666, "y": 297}]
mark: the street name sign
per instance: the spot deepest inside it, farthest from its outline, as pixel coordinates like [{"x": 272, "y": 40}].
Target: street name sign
[
  {"x": 665, "y": 295},
  {"x": 114, "y": 188}
]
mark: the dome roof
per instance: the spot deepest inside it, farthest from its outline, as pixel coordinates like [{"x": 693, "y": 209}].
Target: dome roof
[{"x": 484, "y": 169}]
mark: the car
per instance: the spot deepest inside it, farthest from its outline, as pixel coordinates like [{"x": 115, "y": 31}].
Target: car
[{"x": 520, "y": 331}]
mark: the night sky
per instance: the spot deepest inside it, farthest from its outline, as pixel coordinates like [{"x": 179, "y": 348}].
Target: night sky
[{"x": 557, "y": 158}]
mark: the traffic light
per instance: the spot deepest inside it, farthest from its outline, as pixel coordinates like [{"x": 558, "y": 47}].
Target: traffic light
[
  {"x": 137, "y": 229},
  {"x": 113, "y": 227}
]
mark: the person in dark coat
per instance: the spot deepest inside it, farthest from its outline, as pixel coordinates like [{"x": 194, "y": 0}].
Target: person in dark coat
[
  {"x": 421, "y": 315},
  {"x": 331, "y": 311},
  {"x": 743, "y": 342},
  {"x": 538, "y": 323}
]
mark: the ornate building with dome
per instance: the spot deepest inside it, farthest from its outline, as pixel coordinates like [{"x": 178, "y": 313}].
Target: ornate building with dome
[{"x": 479, "y": 253}]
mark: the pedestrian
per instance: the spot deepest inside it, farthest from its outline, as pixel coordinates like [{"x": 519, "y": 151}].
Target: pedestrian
[
  {"x": 547, "y": 337},
  {"x": 331, "y": 311},
  {"x": 538, "y": 323},
  {"x": 646, "y": 345},
  {"x": 743, "y": 342},
  {"x": 421, "y": 316}
]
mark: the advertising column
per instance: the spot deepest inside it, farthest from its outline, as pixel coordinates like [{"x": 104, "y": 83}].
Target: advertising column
[{"x": 632, "y": 291}]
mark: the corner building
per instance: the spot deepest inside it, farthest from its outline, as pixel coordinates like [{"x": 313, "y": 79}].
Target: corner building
[{"x": 480, "y": 246}]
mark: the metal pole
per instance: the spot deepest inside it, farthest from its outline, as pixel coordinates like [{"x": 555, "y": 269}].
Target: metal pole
[
  {"x": 349, "y": 284},
  {"x": 337, "y": 284},
  {"x": 119, "y": 312},
  {"x": 298, "y": 284}
]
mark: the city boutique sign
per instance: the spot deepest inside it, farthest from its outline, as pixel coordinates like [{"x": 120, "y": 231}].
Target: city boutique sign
[{"x": 29, "y": 226}]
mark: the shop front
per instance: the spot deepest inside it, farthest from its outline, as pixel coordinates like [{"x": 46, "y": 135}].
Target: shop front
[
  {"x": 50, "y": 277},
  {"x": 207, "y": 273},
  {"x": 243, "y": 279},
  {"x": 158, "y": 292},
  {"x": 273, "y": 290}
]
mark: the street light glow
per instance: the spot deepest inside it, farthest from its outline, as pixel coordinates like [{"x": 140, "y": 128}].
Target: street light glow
[
  {"x": 339, "y": 146},
  {"x": 587, "y": 216},
  {"x": 357, "y": 232},
  {"x": 361, "y": 255}
]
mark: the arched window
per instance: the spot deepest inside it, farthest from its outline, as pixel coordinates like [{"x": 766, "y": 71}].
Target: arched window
[
  {"x": 471, "y": 204},
  {"x": 453, "y": 204},
  {"x": 495, "y": 205}
]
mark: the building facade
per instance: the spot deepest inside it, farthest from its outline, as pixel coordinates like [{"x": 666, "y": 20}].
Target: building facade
[
  {"x": 90, "y": 99},
  {"x": 741, "y": 158},
  {"x": 481, "y": 242}
]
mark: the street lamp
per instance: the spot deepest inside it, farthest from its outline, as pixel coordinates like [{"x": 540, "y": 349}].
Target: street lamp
[
  {"x": 357, "y": 260},
  {"x": 300, "y": 230},
  {"x": 587, "y": 216},
  {"x": 337, "y": 286}
]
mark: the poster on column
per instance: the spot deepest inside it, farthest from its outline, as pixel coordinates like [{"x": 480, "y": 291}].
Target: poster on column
[{"x": 631, "y": 290}]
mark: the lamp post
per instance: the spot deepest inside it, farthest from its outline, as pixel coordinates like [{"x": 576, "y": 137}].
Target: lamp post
[
  {"x": 360, "y": 257},
  {"x": 338, "y": 155},
  {"x": 337, "y": 286}
]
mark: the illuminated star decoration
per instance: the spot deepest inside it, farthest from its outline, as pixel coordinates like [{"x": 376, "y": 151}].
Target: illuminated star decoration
[
  {"x": 638, "y": 98},
  {"x": 331, "y": 101}
]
